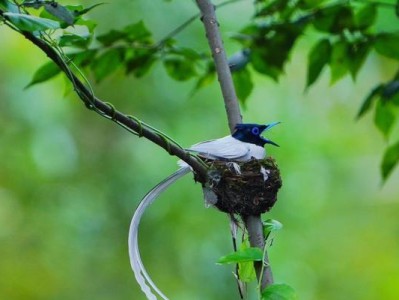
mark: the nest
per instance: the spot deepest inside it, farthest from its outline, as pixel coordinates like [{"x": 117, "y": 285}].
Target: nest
[{"x": 250, "y": 191}]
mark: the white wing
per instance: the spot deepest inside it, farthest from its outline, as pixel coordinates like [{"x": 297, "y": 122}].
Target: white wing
[{"x": 223, "y": 148}]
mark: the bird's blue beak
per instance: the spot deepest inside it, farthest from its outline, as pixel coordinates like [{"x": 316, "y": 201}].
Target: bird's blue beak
[{"x": 267, "y": 127}]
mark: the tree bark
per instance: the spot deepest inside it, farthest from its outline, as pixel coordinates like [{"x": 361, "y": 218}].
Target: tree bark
[{"x": 253, "y": 224}]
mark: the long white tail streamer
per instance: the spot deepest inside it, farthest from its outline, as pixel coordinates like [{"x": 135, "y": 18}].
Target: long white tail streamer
[{"x": 136, "y": 263}]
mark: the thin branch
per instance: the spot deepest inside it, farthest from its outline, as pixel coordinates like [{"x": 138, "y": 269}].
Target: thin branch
[
  {"x": 253, "y": 224},
  {"x": 256, "y": 237},
  {"x": 186, "y": 23},
  {"x": 222, "y": 67}
]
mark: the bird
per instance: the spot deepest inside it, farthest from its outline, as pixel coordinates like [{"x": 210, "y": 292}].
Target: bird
[{"x": 245, "y": 143}]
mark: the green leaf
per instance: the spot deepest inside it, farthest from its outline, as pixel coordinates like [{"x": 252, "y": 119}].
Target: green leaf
[
  {"x": 366, "y": 16},
  {"x": 367, "y": 103},
  {"x": 207, "y": 78},
  {"x": 31, "y": 23},
  {"x": 36, "y": 4},
  {"x": 339, "y": 62},
  {"x": 185, "y": 52},
  {"x": 179, "y": 68},
  {"x": 334, "y": 19},
  {"x": 384, "y": 117},
  {"x": 246, "y": 269},
  {"x": 60, "y": 12},
  {"x": 137, "y": 32},
  {"x": 74, "y": 40},
  {"x": 318, "y": 57},
  {"x": 387, "y": 44},
  {"x": 107, "y": 63},
  {"x": 271, "y": 225},
  {"x": 140, "y": 61},
  {"x": 90, "y": 24},
  {"x": 357, "y": 53},
  {"x": 109, "y": 38},
  {"x": 243, "y": 84},
  {"x": 271, "y": 8},
  {"x": 44, "y": 73},
  {"x": 245, "y": 255},
  {"x": 271, "y": 47},
  {"x": 390, "y": 160},
  {"x": 309, "y": 4},
  {"x": 82, "y": 11},
  {"x": 391, "y": 92},
  {"x": 8, "y": 6},
  {"x": 261, "y": 62},
  {"x": 279, "y": 292},
  {"x": 83, "y": 58}
]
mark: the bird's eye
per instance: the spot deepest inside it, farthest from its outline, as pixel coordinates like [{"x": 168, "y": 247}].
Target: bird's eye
[{"x": 255, "y": 130}]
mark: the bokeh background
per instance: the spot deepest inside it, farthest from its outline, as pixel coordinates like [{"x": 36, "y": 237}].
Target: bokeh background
[{"x": 70, "y": 180}]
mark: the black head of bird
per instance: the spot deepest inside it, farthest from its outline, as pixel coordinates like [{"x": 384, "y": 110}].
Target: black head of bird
[{"x": 251, "y": 133}]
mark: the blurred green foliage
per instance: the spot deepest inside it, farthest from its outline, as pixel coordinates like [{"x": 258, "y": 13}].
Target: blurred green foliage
[{"x": 70, "y": 181}]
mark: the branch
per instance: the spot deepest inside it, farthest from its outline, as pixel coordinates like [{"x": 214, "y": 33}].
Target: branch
[
  {"x": 222, "y": 67},
  {"x": 252, "y": 223},
  {"x": 106, "y": 110}
]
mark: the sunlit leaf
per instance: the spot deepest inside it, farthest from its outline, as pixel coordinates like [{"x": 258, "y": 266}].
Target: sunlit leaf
[
  {"x": 245, "y": 255},
  {"x": 31, "y": 23},
  {"x": 387, "y": 44},
  {"x": 279, "y": 292},
  {"x": 246, "y": 269},
  {"x": 243, "y": 84},
  {"x": 318, "y": 57},
  {"x": 384, "y": 117},
  {"x": 44, "y": 73},
  {"x": 367, "y": 103},
  {"x": 390, "y": 160}
]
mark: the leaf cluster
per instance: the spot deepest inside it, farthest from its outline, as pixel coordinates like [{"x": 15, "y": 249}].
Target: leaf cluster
[
  {"x": 245, "y": 257},
  {"x": 346, "y": 37},
  {"x": 345, "y": 31}
]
